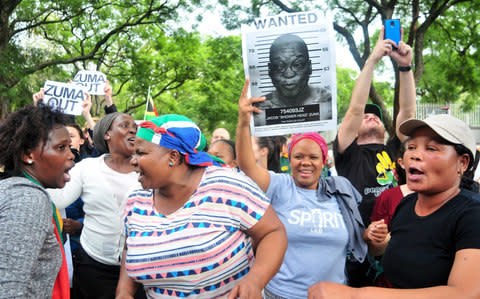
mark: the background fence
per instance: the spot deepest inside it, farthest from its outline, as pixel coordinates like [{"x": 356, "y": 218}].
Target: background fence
[{"x": 425, "y": 110}]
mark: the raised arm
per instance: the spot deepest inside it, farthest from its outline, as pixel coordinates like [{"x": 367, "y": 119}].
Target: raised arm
[
  {"x": 407, "y": 94},
  {"x": 353, "y": 118},
  {"x": 462, "y": 283},
  {"x": 38, "y": 96},
  {"x": 243, "y": 143},
  {"x": 87, "y": 104},
  {"x": 109, "y": 105}
]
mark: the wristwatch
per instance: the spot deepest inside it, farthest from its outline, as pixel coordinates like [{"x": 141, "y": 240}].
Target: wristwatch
[{"x": 405, "y": 68}]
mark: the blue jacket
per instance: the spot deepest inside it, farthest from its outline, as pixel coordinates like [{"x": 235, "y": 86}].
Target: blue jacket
[{"x": 348, "y": 201}]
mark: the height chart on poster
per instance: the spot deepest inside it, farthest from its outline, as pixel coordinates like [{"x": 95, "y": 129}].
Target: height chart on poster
[{"x": 290, "y": 60}]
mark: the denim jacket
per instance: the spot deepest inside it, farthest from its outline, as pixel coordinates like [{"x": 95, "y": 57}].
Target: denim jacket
[{"x": 348, "y": 200}]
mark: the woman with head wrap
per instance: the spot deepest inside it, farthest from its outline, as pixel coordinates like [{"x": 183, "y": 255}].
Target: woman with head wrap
[
  {"x": 434, "y": 250},
  {"x": 193, "y": 228},
  {"x": 320, "y": 215},
  {"x": 35, "y": 155},
  {"x": 103, "y": 183}
]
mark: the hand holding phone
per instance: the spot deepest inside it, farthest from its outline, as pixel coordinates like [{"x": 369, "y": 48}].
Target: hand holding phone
[{"x": 392, "y": 30}]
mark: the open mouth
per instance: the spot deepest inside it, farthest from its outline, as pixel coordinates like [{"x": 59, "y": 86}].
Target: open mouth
[
  {"x": 131, "y": 140},
  {"x": 414, "y": 173},
  {"x": 305, "y": 172},
  {"x": 66, "y": 174}
]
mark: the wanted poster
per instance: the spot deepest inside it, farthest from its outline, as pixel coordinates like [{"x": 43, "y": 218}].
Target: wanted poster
[{"x": 290, "y": 60}]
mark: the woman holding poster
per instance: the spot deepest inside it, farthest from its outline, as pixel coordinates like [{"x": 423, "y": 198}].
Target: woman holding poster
[{"x": 320, "y": 215}]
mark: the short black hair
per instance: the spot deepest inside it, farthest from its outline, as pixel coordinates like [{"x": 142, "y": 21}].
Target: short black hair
[
  {"x": 229, "y": 143},
  {"x": 23, "y": 130},
  {"x": 273, "y": 160}
]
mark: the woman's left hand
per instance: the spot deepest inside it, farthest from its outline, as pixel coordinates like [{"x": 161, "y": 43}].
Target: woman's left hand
[{"x": 246, "y": 289}]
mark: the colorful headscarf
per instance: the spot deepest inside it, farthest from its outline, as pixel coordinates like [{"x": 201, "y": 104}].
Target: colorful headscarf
[
  {"x": 312, "y": 136},
  {"x": 177, "y": 132}
]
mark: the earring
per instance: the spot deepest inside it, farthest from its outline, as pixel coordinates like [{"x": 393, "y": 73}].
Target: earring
[
  {"x": 170, "y": 164},
  {"x": 29, "y": 162},
  {"x": 107, "y": 138}
]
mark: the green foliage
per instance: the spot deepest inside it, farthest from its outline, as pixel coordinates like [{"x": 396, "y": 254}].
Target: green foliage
[
  {"x": 451, "y": 60},
  {"x": 345, "y": 82},
  {"x": 68, "y": 35}
]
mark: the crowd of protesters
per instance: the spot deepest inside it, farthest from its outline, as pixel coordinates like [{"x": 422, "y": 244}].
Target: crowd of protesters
[{"x": 150, "y": 210}]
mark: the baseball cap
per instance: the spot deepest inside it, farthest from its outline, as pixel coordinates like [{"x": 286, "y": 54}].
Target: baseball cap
[
  {"x": 374, "y": 109},
  {"x": 448, "y": 127}
]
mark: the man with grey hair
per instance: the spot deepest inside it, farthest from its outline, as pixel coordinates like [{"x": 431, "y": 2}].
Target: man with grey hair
[{"x": 219, "y": 133}]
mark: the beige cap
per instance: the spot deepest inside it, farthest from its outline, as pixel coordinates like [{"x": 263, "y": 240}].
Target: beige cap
[{"x": 448, "y": 127}]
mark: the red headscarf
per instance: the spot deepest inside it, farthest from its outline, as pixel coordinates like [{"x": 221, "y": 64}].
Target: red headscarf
[{"x": 312, "y": 136}]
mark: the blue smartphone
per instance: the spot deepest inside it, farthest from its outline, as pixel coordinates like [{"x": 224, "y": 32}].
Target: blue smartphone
[{"x": 392, "y": 30}]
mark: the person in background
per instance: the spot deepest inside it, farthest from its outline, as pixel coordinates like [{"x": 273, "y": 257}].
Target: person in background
[
  {"x": 73, "y": 223},
  {"x": 434, "y": 249},
  {"x": 224, "y": 150},
  {"x": 382, "y": 214},
  {"x": 281, "y": 142},
  {"x": 323, "y": 224},
  {"x": 89, "y": 120},
  {"x": 267, "y": 153},
  {"x": 193, "y": 228},
  {"x": 219, "y": 133},
  {"x": 35, "y": 155},
  {"x": 103, "y": 183},
  {"x": 360, "y": 152}
]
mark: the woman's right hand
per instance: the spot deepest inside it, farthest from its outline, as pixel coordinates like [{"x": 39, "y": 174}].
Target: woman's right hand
[
  {"x": 377, "y": 231},
  {"x": 87, "y": 105},
  {"x": 38, "y": 96},
  {"x": 245, "y": 107}
]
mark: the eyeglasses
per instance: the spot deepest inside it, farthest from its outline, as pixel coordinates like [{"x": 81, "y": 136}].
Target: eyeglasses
[{"x": 297, "y": 65}]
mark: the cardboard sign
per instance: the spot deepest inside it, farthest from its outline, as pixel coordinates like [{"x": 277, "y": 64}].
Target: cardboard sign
[
  {"x": 92, "y": 81},
  {"x": 64, "y": 96}
]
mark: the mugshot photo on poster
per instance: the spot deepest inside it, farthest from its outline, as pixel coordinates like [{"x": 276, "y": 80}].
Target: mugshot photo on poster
[{"x": 289, "y": 69}]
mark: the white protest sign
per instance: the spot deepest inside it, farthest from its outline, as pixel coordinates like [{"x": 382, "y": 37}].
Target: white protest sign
[
  {"x": 64, "y": 96},
  {"x": 93, "y": 81}
]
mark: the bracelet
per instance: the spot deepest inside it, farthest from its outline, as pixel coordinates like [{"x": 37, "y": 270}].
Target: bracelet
[{"x": 405, "y": 68}]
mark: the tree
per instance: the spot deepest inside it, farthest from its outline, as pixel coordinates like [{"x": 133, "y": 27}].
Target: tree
[
  {"x": 451, "y": 58},
  {"x": 211, "y": 99},
  {"x": 73, "y": 32},
  {"x": 361, "y": 15}
]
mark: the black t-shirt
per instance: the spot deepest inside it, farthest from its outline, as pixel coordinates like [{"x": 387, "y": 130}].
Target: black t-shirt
[
  {"x": 421, "y": 251},
  {"x": 369, "y": 168}
]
